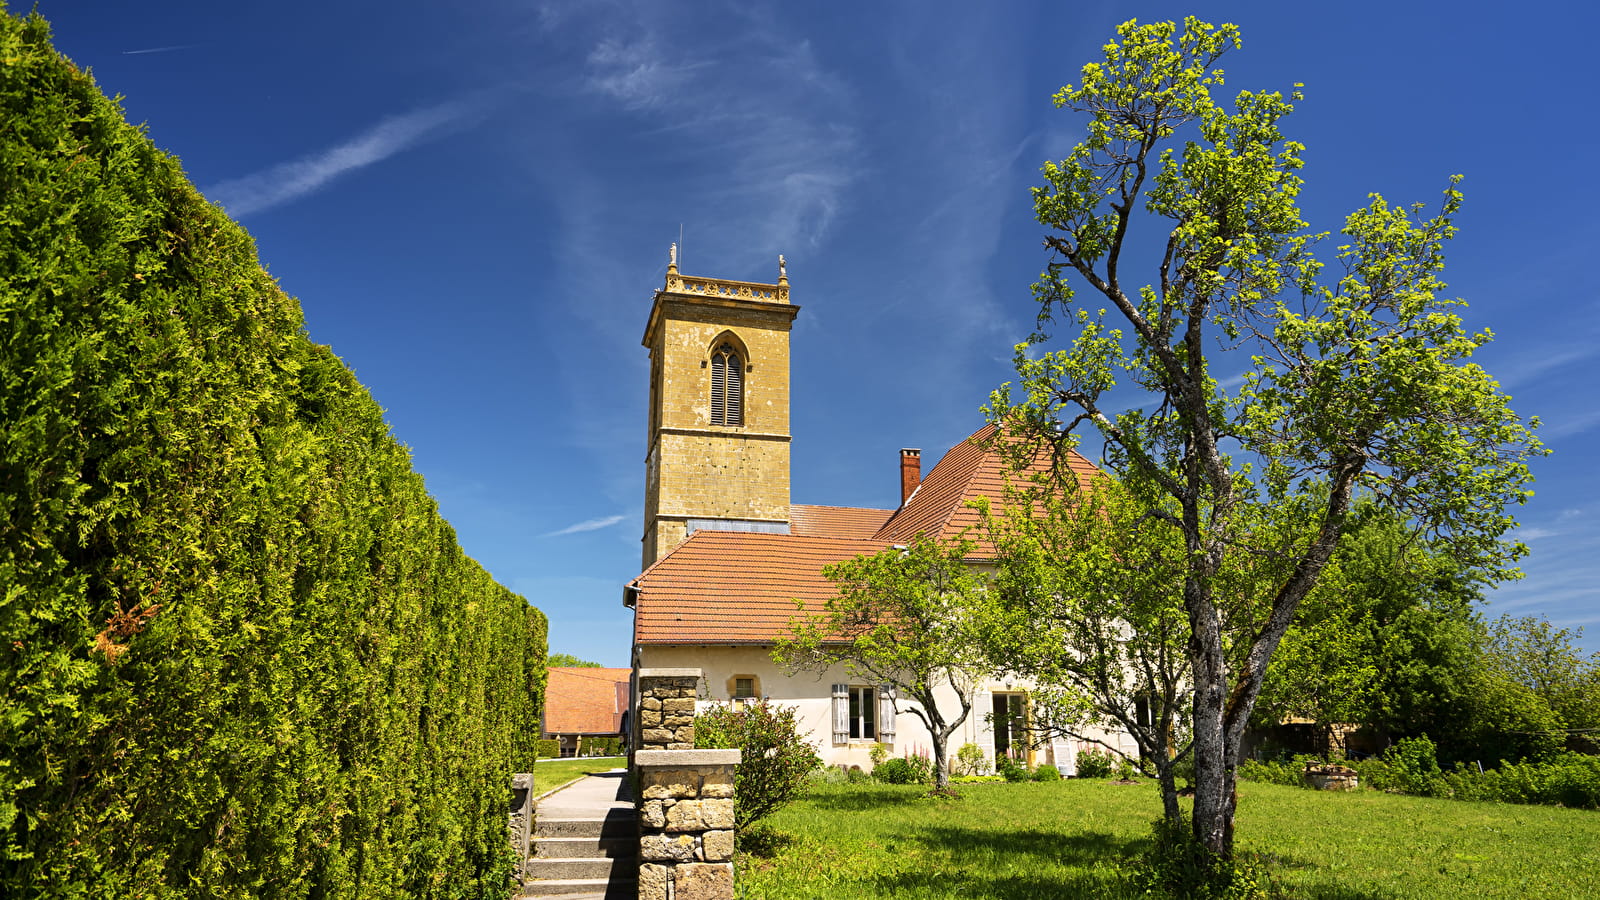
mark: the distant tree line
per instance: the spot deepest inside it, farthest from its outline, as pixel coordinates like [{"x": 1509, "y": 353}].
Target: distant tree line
[{"x": 242, "y": 653}]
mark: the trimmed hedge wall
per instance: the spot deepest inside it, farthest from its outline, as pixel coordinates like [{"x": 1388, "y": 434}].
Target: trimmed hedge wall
[{"x": 241, "y": 655}]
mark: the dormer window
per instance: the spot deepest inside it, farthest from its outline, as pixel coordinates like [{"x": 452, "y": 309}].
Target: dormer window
[{"x": 727, "y": 386}]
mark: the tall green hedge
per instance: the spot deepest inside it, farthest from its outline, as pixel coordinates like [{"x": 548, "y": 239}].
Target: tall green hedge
[{"x": 241, "y": 655}]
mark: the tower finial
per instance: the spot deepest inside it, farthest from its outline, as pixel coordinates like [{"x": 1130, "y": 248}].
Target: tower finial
[
  {"x": 783, "y": 269},
  {"x": 672, "y": 258}
]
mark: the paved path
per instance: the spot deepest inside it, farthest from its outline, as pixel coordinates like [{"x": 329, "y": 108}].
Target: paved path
[{"x": 585, "y": 834}]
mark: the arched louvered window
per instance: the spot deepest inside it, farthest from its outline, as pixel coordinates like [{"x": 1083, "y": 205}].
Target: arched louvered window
[{"x": 727, "y": 386}]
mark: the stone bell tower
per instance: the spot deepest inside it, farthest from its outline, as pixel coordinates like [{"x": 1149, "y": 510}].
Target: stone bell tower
[{"x": 718, "y": 452}]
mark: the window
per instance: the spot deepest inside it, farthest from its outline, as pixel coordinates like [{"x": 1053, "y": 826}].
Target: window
[
  {"x": 727, "y": 386},
  {"x": 1009, "y": 719},
  {"x": 863, "y": 713},
  {"x": 744, "y": 688}
]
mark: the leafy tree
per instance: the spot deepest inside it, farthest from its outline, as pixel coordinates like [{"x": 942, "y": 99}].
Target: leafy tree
[
  {"x": 568, "y": 661},
  {"x": 1531, "y": 652},
  {"x": 904, "y": 618},
  {"x": 1361, "y": 380},
  {"x": 1389, "y": 638},
  {"x": 1086, "y": 604},
  {"x": 776, "y": 759}
]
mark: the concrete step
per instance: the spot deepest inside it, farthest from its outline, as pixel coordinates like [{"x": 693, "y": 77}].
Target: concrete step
[
  {"x": 619, "y": 823},
  {"x": 560, "y": 869},
  {"x": 582, "y": 889},
  {"x": 568, "y": 847}
]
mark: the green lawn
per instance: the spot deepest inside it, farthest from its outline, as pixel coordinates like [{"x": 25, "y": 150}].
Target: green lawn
[
  {"x": 549, "y": 774},
  {"x": 1066, "y": 839}
]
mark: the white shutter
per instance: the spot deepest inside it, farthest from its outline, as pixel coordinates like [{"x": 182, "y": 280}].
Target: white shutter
[
  {"x": 841, "y": 713},
  {"x": 886, "y": 713}
]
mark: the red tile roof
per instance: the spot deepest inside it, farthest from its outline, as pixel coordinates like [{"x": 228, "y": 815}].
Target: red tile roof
[
  {"x": 730, "y": 587},
  {"x": 724, "y": 587},
  {"x": 939, "y": 506},
  {"x": 585, "y": 700},
  {"x": 850, "y": 522}
]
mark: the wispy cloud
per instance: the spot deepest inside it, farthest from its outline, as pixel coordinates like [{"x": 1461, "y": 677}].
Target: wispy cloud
[
  {"x": 292, "y": 180},
  {"x": 587, "y": 525},
  {"x": 159, "y": 49},
  {"x": 1566, "y": 426}
]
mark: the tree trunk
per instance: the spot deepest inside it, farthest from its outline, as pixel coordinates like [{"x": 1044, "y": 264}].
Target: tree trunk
[
  {"x": 1213, "y": 772},
  {"x": 941, "y": 762},
  {"x": 1169, "y": 789}
]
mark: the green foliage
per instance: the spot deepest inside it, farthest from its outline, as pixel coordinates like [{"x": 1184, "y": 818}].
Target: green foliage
[
  {"x": 904, "y": 770},
  {"x": 1413, "y": 766},
  {"x": 1010, "y": 769},
  {"x": 1356, "y": 374},
  {"x": 601, "y": 746},
  {"x": 776, "y": 761},
  {"x": 878, "y": 753},
  {"x": 970, "y": 760},
  {"x": 568, "y": 661},
  {"x": 905, "y": 617},
  {"x": 548, "y": 748},
  {"x": 1094, "y": 764},
  {"x": 1047, "y": 773},
  {"x": 244, "y": 656},
  {"x": 1178, "y": 866},
  {"x": 1388, "y": 639}
]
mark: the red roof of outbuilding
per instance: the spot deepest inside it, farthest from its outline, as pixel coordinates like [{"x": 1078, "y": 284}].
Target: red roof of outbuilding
[
  {"x": 850, "y": 522},
  {"x": 585, "y": 700}
]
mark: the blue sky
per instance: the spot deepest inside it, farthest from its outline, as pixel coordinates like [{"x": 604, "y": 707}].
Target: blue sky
[{"x": 473, "y": 204}]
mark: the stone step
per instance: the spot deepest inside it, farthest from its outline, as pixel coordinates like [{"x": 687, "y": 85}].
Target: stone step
[
  {"x": 558, "y": 869},
  {"x": 582, "y": 889},
  {"x": 568, "y": 847},
  {"x": 620, "y": 823}
]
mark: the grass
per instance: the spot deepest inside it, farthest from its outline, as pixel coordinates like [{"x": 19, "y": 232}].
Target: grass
[
  {"x": 1070, "y": 838},
  {"x": 549, "y": 774}
]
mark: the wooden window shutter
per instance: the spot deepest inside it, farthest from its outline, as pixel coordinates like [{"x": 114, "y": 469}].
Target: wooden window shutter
[
  {"x": 841, "y": 713},
  {"x": 719, "y": 387},
  {"x": 886, "y": 713},
  {"x": 727, "y": 386},
  {"x": 735, "y": 390}
]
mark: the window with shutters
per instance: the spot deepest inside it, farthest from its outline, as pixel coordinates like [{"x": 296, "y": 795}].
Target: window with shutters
[{"x": 727, "y": 385}]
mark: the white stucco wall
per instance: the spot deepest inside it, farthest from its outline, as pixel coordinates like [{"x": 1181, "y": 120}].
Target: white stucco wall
[{"x": 811, "y": 695}]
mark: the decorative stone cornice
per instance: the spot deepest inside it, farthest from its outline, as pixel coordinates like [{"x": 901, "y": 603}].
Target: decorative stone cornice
[{"x": 698, "y": 286}]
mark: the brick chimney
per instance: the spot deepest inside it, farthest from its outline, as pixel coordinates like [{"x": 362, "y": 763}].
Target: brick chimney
[{"x": 910, "y": 473}]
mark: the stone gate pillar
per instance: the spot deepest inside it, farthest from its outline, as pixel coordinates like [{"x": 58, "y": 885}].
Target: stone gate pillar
[{"x": 685, "y": 796}]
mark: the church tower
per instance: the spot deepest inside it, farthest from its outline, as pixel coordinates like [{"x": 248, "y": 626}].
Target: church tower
[{"x": 718, "y": 452}]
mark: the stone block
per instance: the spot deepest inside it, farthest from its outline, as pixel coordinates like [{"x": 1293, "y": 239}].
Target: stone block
[
  {"x": 649, "y": 703},
  {"x": 703, "y": 881},
  {"x": 716, "y": 814},
  {"x": 675, "y": 848},
  {"x": 710, "y": 789},
  {"x": 676, "y": 721},
  {"x": 679, "y": 706},
  {"x": 658, "y": 736},
  {"x": 717, "y": 846},
  {"x": 685, "y": 816},
  {"x": 653, "y": 881},
  {"x": 653, "y": 814},
  {"x": 679, "y": 745}
]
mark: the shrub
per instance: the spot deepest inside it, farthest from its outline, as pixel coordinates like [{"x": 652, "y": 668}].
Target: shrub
[
  {"x": 1126, "y": 770},
  {"x": 1413, "y": 767},
  {"x": 878, "y": 753},
  {"x": 777, "y": 758},
  {"x": 1094, "y": 764},
  {"x": 243, "y": 653},
  {"x": 854, "y": 775},
  {"x": 1010, "y": 769},
  {"x": 911, "y": 769},
  {"x": 971, "y": 761},
  {"x": 1047, "y": 773},
  {"x": 602, "y": 746},
  {"x": 547, "y": 748}
]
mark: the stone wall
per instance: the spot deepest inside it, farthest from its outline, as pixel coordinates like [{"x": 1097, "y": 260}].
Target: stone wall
[
  {"x": 665, "y": 720},
  {"x": 686, "y": 824}
]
